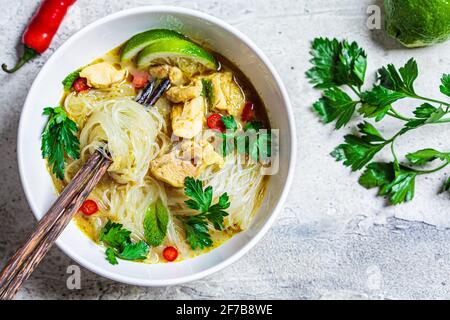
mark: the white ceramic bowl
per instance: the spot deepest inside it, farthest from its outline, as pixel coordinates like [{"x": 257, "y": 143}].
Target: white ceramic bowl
[{"x": 92, "y": 42}]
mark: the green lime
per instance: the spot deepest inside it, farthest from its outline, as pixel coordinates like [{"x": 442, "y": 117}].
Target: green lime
[
  {"x": 177, "y": 52},
  {"x": 418, "y": 23},
  {"x": 144, "y": 39}
]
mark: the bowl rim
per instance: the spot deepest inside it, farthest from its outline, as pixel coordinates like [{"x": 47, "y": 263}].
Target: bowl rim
[{"x": 292, "y": 160}]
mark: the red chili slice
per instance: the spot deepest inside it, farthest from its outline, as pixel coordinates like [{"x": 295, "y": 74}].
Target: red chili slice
[
  {"x": 81, "y": 85},
  {"x": 170, "y": 254},
  {"x": 215, "y": 122},
  {"x": 140, "y": 79},
  {"x": 249, "y": 112},
  {"x": 89, "y": 207}
]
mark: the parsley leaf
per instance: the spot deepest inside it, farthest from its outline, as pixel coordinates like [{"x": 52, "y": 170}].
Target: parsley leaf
[
  {"x": 336, "y": 63},
  {"x": 114, "y": 234},
  {"x": 335, "y": 104},
  {"x": 377, "y": 174},
  {"x": 119, "y": 245},
  {"x": 196, "y": 226},
  {"x": 394, "y": 85},
  {"x": 357, "y": 151},
  {"x": 402, "y": 188},
  {"x": 217, "y": 213},
  {"x": 425, "y": 114},
  {"x": 445, "y": 87},
  {"x": 111, "y": 256},
  {"x": 58, "y": 139},
  {"x": 70, "y": 79},
  {"x": 197, "y": 232},
  {"x": 393, "y": 180},
  {"x": 134, "y": 251},
  {"x": 381, "y": 98},
  {"x": 156, "y": 222},
  {"x": 352, "y": 65},
  {"x": 425, "y": 156},
  {"x": 401, "y": 81},
  {"x": 199, "y": 199}
]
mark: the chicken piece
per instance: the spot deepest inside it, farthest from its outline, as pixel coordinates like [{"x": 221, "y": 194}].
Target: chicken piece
[
  {"x": 185, "y": 93},
  {"x": 187, "y": 159},
  {"x": 102, "y": 75},
  {"x": 226, "y": 94},
  {"x": 187, "y": 121},
  {"x": 174, "y": 74},
  {"x": 173, "y": 170},
  {"x": 210, "y": 156}
]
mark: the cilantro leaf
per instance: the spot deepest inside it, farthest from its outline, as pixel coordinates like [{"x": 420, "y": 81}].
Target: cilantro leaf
[
  {"x": 156, "y": 222},
  {"x": 357, "y": 151},
  {"x": 401, "y": 81},
  {"x": 425, "y": 156},
  {"x": 336, "y": 63},
  {"x": 230, "y": 123},
  {"x": 119, "y": 245},
  {"x": 58, "y": 139},
  {"x": 335, "y": 104},
  {"x": 445, "y": 87},
  {"x": 70, "y": 79},
  {"x": 196, "y": 226}
]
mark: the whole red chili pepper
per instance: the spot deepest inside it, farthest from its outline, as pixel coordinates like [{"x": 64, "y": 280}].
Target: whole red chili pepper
[{"x": 41, "y": 30}]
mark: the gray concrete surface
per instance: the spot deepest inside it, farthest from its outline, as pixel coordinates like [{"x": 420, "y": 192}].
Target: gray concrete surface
[{"x": 333, "y": 239}]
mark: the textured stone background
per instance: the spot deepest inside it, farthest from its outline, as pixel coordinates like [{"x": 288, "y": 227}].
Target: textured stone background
[{"x": 333, "y": 239}]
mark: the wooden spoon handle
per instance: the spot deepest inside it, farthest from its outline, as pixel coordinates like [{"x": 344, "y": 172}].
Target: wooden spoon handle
[{"x": 26, "y": 259}]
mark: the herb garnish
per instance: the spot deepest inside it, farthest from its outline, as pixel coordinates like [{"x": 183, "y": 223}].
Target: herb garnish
[
  {"x": 70, "y": 79},
  {"x": 156, "y": 223},
  {"x": 339, "y": 65},
  {"x": 58, "y": 139},
  {"x": 196, "y": 226},
  {"x": 207, "y": 91},
  {"x": 118, "y": 241}
]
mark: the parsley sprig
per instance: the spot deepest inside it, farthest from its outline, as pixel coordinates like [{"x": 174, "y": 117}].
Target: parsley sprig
[
  {"x": 196, "y": 226},
  {"x": 59, "y": 139},
  {"x": 119, "y": 245},
  {"x": 339, "y": 70}
]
